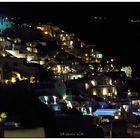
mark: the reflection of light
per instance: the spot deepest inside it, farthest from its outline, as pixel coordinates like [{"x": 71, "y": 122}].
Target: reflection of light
[
  {"x": 46, "y": 32},
  {"x": 54, "y": 97}
]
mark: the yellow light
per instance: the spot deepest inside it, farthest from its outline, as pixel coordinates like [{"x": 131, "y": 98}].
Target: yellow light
[
  {"x": 86, "y": 86},
  {"x": 115, "y": 92},
  {"x": 93, "y": 82},
  {"x": 29, "y": 49},
  {"x": 109, "y": 94},
  {"x": 64, "y": 43},
  {"x": 29, "y": 58},
  {"x": 6, "y": 81},
  {"x": 13, "y": 80},
  {"x": 116, "y": 117},
  {"x": 41, "y": 28},
  {"x": 110, "y": 82},
  {"x": 3, "y": 54},
  {"x": 3, "y": 115},
  {"x": 42, "y": 62},
  {"x": 86, "y": 54},
  {"x": 58, "y": 68},
  {"x": 104, "y": 91},
  {"x": 71, "y": 43},
  {"x": 94, "y": 93},
  {"x": 46, "y": 32}
]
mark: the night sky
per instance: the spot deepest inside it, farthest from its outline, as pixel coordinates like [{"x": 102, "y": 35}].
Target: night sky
[{"x": 114, "y": 34}]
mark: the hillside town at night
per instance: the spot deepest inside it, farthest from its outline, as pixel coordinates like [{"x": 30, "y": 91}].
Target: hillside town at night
[{"x": 55, "y": 85}]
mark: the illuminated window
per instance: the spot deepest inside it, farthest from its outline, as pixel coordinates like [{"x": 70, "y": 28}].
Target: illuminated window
[
  {"x": 94, "y": 93},
  {"x": 104, "y": 91},
  {"x": 99, "y": 55}
]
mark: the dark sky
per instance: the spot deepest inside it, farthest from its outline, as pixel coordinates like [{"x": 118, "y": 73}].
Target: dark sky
[{"x": 114, "y": 35}]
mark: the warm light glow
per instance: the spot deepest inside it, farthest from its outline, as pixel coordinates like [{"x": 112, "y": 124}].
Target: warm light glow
[
  {"x": 46, "y": 32},
  {"x": 116, "y": 117},
  {"x": 3, "y": 115},
  {"x": 29, "y": 58},
  {"x": 41, "y": 28},
  {"x": 3, "y": 54},
  {"x": 104, "y": 91},
  {"x": 13, "y": 80},
  {"x": 110, "y": 82},
  {"x": 59, "y": 68},
  {"x": 64, "y": 43},
  {"x": 71, "y": 43},
  {"x": 93, "y": 82},
  {"x": 112, "y": 60},
  {"x": 29, "y": 49},
  {"x": 109, "y": 94},
  {"x": 115, "y": 91},
  {"x": 94, "y": 93},
  {"x": 86, "y": 86},
  {"x": 42, "y": 62}
]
